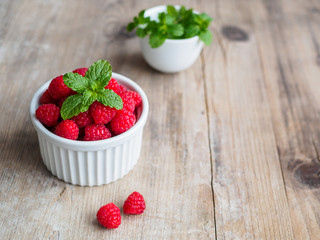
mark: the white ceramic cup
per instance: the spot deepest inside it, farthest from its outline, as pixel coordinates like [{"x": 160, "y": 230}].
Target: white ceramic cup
[
  {"x": 174, "y": 55},
  {"x": 91, "y": 163}
]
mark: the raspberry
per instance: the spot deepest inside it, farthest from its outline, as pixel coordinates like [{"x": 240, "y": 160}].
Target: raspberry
[
  {"x": 83, "y": 119},
  {"x": 122, "y": 121},
  {"x": 121, "y": 89},
  {"x": 58, "y": 89},
  {"x": 61, "y": 102},
  {"x": 67, "y": 129},
  {"x": 128, "y": 101},
  {"x": 81, "y": 71},
  {"x": 48, "y": 114},
  {"x": 46, "y": 98},
  {"x": 134, "y": 204},
  {"x": 137, "y": 98},
  {"x": 109, "y": 216},
  {"x": 101, "y": 114},
  {"x": 96, "y": 132},
  {"x": 113, "y": 85}
]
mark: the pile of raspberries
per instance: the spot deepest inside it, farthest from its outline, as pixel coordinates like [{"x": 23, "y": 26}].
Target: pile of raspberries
[{"x": 97, "y": 123}]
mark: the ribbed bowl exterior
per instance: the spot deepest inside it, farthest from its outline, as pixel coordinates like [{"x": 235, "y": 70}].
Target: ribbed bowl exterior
[
  {"x": 90, "y": 168},
  {"x": 92, "y": 163}
]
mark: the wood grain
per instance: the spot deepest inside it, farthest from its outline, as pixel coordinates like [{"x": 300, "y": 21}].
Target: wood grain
[{"x": 231, "y": 145}]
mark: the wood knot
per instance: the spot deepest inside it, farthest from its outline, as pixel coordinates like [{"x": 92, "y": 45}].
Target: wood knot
[
  {"x": 234, "y": 33},
  {"x": 309, "y": 174}
]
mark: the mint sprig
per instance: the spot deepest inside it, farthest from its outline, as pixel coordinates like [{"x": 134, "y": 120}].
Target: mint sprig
[
  {"x": 89, "y": 88},
  {"x": 172, "y": 24}
]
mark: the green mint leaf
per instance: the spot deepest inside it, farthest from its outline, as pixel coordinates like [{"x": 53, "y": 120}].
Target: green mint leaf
[
  {"x": 141, "y": 16},
  {"x": 88, "y": 98},
  {"x": 170, "y": 20},
  {"x": 191, "y": 31},
  {"x": 131, "y": 26},
  {"x": 172, "y": 11},
  {"x": 162, "y": 17},
  {"x": 156, "y": 39},
  {"x": 205, "y": 17},
  {"x": 109, "y": 98},
  {"x": 141, "y": 32},
  {"x": 76, "y": 82},
  {"x": 176, "y": 30},
  {"x": 72, "y": 106},
  {"x": 99, "y": 74},
  {"x": 206, "y": 37}
]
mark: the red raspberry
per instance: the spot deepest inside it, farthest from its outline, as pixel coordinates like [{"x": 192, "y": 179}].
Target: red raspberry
[
  {"x": 46, "y": 98},
  {"x": 113, "y": 85},
  {"x": 83, "y": 119},
  {"x": 109, "y": 216},
  {"x": 67, "y": 129},
  {"x": 137, "y": 98},
  {"x": 122, "y": 121},
  {"x": 121, "y": 89},
  {"x": 81, "y": 71},
  {"x": 128, "y": 101},
  {"x": 101, "y": 114},
  {"x": 134, "y": 204},
  {"x": 61, "y": 102},
  {"x": 48, "y": 114},
  {"x": 58, "y": 89},
  {"x": 96, "y": 132}
]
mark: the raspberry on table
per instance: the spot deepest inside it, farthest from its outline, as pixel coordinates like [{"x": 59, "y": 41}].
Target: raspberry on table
[
  {"x": 122, "y": 121},
  {"x": 46, "y": 98},
  {"x": 113, "y": 85},
  {"x": 67, "y": 129},
  {"x": 58, "y": 89},
  {"x": 81, "y": 71},
  {"x": 83, "y": 119},
  {"x": 101, "y": 114},
  {"x": 48, "y": 114},
  {"x": 96, "y": 132},
  {"x": 134, "y": 204},
  {"x": 128, "y": 101},
  {"x": 109, "y": 216}
]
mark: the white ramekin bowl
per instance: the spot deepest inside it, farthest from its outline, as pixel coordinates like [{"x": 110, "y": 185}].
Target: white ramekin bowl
[
  {"x": 87, "y": 163},
  {"x": 174, "y": 55}
]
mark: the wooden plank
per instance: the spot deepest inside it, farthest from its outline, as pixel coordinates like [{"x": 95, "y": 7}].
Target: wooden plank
[
  {"x": 289, "y": 56},
  {"x": 249, "y": 192},
  {"x": 174, "y": 170}
]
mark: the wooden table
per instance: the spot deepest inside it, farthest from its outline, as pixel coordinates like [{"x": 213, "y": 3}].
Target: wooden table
[{"x": 231, "y": 146}]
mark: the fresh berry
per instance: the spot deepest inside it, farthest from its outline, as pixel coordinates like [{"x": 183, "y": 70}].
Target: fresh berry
[
  {"x": 122, "y": 121},
  {"x": 61, "y": 102},
  {"x": 67, "y": 129},
  {"x": 48, "y": 114},
  {"x": 109, "y": 216},
  {"x": 101, "y": 114},
  {"x": 113, "y": 85},
  {"x": 83, "y": 119},
  {"x": 58, "y": 89},
  {"x": 46, "y": 98},
  {"x": 81, "y": 71},
  {"x": 136, "y": 97},
  {"x": 134, "y": 204},
  {"x": 121, "y": 89},
  {"x": 96, "y": 132},
  {"x": 128, "y": 101}
]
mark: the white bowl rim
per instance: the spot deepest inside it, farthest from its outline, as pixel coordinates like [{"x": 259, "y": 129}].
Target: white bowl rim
[
  {"x": 163, "y": 7},
  {"x": 100, "y": 143}
]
